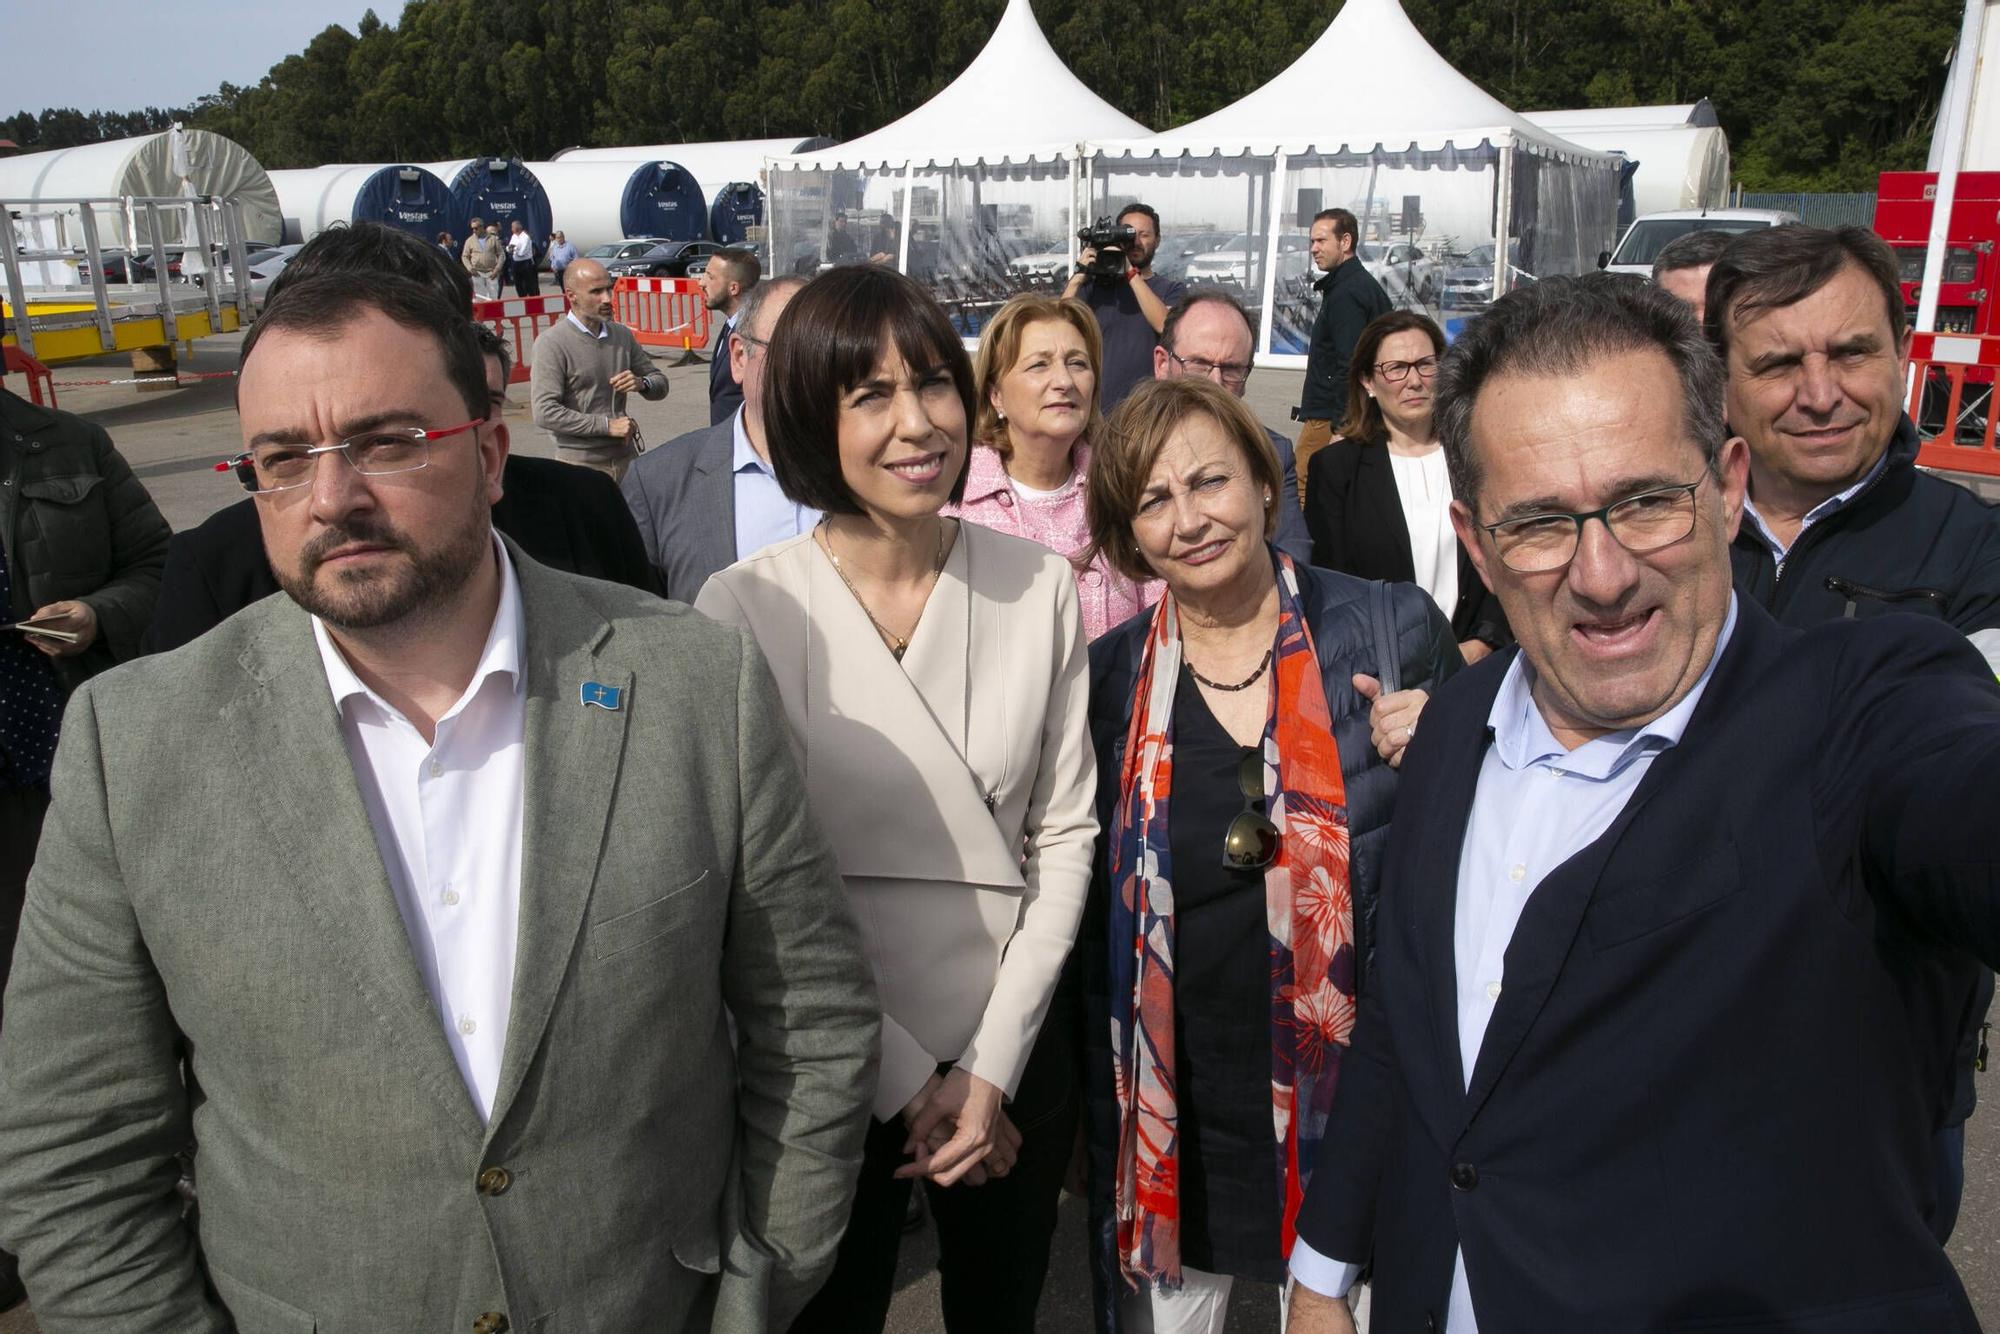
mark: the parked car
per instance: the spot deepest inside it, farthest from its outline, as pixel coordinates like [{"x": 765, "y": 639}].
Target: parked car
[
  {"x": 1044, "y": 266},
  {"x": 263, "y": 265},
  {"x": 1647, "y": 235},
  {"x": 1469, "y": 280},
  {"x": 1178, "y": 249},
  {"x": 628, "y": 249},
  {"x": 668, "y": 259},
  {"x": 1407, "y": 275},
  {"x": 1230, "y": 262},
  {"x": 121, "y": 267}
]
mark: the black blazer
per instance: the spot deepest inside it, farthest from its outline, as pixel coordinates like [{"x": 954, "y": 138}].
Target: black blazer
[
  {"x": 1707, "y": 1094},
  {"x": 564, "y": 516},
  {"x": 1355, "y": 516},
  {"x": 724, "y": 394}
]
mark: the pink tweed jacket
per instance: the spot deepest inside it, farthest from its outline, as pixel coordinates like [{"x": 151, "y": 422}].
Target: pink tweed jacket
[{"x": 1059, "y": 523}]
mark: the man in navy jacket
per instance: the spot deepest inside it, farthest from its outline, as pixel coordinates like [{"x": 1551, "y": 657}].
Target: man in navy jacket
[{"x": 1675, "y": 904}]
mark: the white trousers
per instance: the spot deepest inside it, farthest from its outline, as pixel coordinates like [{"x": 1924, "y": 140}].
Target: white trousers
[
  {"x": 486, "y": 286},
  {"x": 1202, "y": 1306}
]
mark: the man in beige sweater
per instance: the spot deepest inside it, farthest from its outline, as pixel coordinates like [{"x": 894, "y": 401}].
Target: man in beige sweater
[
  {"x": 481, "y": 257},
  {"x": 584, "y": 365}
]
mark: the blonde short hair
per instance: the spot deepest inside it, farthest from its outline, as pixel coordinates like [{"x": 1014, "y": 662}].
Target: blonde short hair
[
  {"x": 1000, "y": 348},
  {"x": 1124, "y": 453}
]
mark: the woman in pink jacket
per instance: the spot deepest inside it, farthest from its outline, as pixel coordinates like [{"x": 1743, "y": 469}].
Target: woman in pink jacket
[{"x": 1037, "y": 376}]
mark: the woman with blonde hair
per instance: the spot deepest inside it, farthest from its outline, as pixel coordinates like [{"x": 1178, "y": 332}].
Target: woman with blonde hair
[{"x": 1036, "y": 374}]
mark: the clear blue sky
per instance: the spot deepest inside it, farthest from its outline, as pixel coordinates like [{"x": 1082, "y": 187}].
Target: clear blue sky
[{"x": 121, "y": 55}]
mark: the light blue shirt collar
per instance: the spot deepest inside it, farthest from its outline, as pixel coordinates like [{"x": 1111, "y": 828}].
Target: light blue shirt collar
[
  {"x": 603, "y": 330},
  {"x": 745, "y": 455},
  {"x": 1521, "y": 736},
  {"x": 1831, "y": 505}
]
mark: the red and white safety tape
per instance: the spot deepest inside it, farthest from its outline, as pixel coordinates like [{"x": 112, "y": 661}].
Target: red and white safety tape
[{"x": 186, "y": 378}]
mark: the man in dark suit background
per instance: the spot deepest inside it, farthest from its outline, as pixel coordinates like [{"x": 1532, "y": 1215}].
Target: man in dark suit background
[
  {"x": 561, "y": 515},
  {"x": 705, "y": 500},
  {"x": 1677, "y": 903},
  {"x": 725, "y": 284}
]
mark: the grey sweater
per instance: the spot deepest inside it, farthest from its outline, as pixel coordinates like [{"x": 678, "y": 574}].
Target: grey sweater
[{"x": 572, "y": 382}]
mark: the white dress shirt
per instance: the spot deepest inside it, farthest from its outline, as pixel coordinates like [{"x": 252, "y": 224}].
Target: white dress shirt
[
  {"x": 1424, "y": 487},
  {"x": 447, "y": 820},
  {"x": 521, "y": 246},
  {"x": 1537, "y": 805}
]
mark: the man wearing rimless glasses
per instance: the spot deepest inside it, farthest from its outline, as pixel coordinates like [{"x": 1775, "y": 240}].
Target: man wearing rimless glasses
[
  {"x": 1672, "y": 898},
  {"x": 444, "y": 875}
]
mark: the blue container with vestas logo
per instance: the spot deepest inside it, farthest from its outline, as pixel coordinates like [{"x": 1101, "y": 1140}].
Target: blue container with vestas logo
[
  {"x": 404, "y": 196},
  {"x": 497, "y": 190},
  {"x": 662, "y": 199}
]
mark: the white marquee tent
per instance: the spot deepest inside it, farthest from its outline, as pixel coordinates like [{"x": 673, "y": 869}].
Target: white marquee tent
[
  {"x": 1680, "y": 154},
  {"x": 989, "y": 168},
  {"x": 1474, "y": 198}
]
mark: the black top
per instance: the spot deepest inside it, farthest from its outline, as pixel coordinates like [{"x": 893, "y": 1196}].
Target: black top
[
  {"x": 1349, "y": 298},
  {"x": 1230, "y": 1207},
  {"x": 1354, "y": 512}
]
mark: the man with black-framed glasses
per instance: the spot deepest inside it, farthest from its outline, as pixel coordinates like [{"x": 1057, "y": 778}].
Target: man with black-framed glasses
[
  {"x": 1670, "y": 900},
  {"x": 1208, "y": 336},
  {"x": 479, "y": 903}
]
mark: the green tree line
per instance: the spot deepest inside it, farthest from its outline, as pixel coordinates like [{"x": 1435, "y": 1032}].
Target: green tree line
[{"x": 1815, "y": 94}]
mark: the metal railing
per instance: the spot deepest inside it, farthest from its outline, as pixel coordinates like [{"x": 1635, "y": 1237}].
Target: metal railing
[
  {"x": 40, "y": 233},
  {"x": 1951, "y": 401}
]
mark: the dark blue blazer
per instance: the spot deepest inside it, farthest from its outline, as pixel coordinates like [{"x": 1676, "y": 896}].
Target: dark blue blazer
[
  {"x": 724, "y": 394},
  {"x": 1706, "y": 1098}
]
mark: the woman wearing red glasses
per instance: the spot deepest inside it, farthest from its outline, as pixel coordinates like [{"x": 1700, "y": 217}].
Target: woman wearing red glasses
[
  {"x": 1378, "y": 502},
  {"x": 1244, "y": 802}
]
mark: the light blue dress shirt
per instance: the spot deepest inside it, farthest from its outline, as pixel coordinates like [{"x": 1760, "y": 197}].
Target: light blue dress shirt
[
  {"x": 1536, "y": 806},
  {"x": 1829, "y": 506},
  {"x": 763, "y": 513}
]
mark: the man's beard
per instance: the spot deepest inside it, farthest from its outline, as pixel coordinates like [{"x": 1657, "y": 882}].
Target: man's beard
[{"x": 369, "y": 599}]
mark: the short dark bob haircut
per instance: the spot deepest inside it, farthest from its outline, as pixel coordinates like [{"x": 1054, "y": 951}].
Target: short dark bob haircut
[{"x": 830, "y": 338}]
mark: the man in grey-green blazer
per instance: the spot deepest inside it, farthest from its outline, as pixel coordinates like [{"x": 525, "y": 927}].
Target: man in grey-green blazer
[{"x": 465, "y": 917}]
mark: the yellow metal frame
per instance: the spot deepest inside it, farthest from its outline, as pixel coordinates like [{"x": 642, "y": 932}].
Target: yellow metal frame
[{"x": 55, "y": 346}]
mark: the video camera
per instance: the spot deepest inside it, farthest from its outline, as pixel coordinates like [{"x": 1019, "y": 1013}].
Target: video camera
[{"x": 1109, "y": 239}]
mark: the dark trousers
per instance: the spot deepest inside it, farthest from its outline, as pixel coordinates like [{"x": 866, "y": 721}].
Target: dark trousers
[
  {"x": 526, "y": 281},
  {"x": 21, "y": 811},
  {"x": 993, "y": 1240}
]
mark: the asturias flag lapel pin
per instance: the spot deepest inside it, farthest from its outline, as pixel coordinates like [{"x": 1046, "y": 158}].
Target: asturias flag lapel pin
[{"x": 604, "y": 697}]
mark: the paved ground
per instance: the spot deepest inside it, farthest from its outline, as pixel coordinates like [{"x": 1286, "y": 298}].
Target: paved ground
[{"x": 173, "y": 438}]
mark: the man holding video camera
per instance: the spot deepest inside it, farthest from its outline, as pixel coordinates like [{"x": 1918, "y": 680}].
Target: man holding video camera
[{"x": 1114, "y": 277}]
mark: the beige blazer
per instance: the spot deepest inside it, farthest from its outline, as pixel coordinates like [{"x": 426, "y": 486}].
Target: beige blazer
[{"x": 956, "y": 786}]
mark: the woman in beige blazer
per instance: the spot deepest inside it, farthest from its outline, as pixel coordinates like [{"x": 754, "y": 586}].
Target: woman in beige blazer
[{"x": 935, "y": 678}]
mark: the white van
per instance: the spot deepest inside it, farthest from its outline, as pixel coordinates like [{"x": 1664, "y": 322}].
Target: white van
[{"x": 1647, "y": 235}]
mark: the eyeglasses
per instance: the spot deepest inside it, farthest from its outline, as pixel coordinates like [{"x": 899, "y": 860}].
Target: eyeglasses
[
  {"x": 1648, "y": 521},
  {"x": 373, "y": 454},
  {"x": 1231, "y": 373},
  {"x": 1395, "y": 372},
  {"x": 752, "y": 339},
  {"x": 1252, "y": 841}
]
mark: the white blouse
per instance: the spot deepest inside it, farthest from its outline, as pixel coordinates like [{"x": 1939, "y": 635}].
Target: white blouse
[{"x": 1425, "y": 489}]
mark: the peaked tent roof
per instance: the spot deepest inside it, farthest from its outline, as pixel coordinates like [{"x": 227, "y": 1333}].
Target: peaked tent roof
[
  {"x": 1016, "y": 102},
  {"x": 1370, "y": 80}
]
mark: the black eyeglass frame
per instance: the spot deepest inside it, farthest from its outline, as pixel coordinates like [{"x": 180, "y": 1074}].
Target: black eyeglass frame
[
  {"x": 1233, "y": 375},
  {"x": 1603, "y": 515}
]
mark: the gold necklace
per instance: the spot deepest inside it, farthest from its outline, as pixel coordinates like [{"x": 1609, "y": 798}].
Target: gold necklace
[{"x": 898, "y": 644}]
